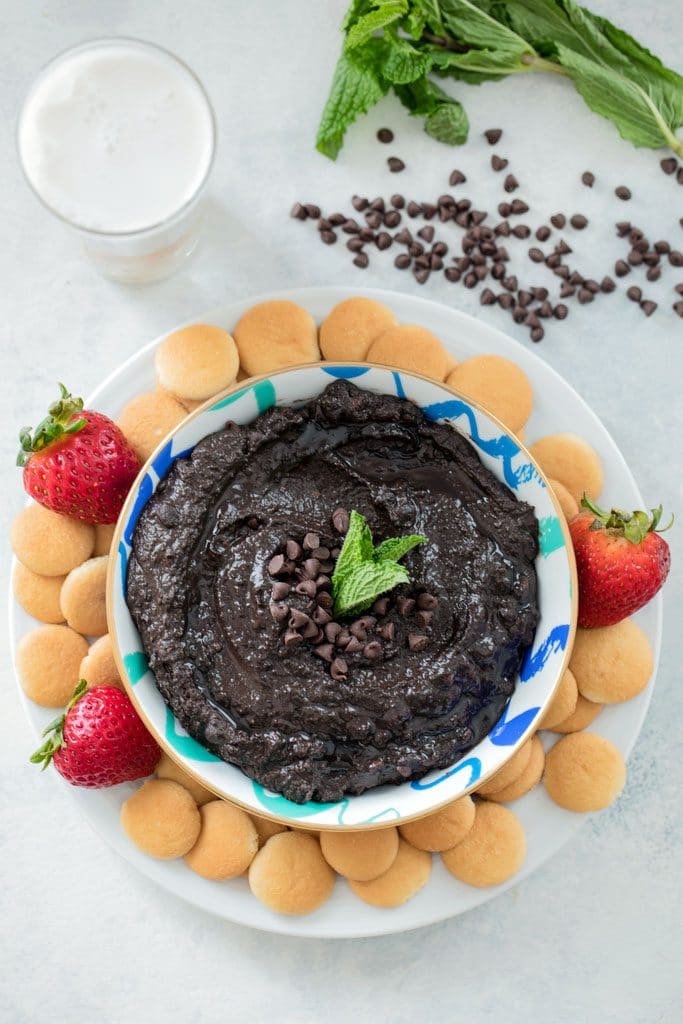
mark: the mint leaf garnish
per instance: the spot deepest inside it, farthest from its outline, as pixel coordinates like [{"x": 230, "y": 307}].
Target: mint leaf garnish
[
  {"x": 363, "y": 571},
  {"x": 394, "y": 548}
]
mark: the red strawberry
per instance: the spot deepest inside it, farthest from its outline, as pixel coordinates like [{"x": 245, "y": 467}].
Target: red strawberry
[
  {"x": 621, "y": 561},
  {"x": 99, "y": 740},
  {"x": 78, "y": 462}
]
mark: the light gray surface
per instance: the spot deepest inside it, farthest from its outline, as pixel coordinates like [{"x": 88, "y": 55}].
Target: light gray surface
[{"x": 595, "y": 936}]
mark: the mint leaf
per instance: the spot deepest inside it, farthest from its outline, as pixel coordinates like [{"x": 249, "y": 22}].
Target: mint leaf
[
  {"x": 363, "y": 571},
  {"x": 356, "y": 86},
  {"x": 395, "y": 548},
  {"x": 446, "y": 119},
  {"x": 385, "y": 12},
  {"x": 359, "y": 589},
  {"x": 356, "y": 549},
  {"x": 646, "y": 116},
  {"x": 404, "y": 63}
]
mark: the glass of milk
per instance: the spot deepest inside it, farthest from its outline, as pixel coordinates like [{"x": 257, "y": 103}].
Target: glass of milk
[{"x": 117, "y": 138}]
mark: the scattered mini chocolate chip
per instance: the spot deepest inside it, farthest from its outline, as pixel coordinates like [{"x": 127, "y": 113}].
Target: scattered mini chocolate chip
[
  {"x": 423, "y": 618},
  {"x": 395, "y": 164},
  {"x": 280, "y": 590},
  {"x": 679, "y": 289},
  {"x": 332, "y": 631},
  {"x": 563, "y": 248},
  {"x": 679, "y": 175},
  {"x": 607, "y": 284},
  {"x": 417, "y": 641},
  {"x": 405, "y": 606},
  {"x": 324, "y": 651},
  {"x": 402, "y": 261},
  {"x": 383, "y": 240},
  {"x": 487, "y": 297},
  {"x": 623, "y": 227},
  {"x": 566, "y": 290},
  {"x": 291, "y": 638},
  {"x": 366, "y": 234},
  {"x": 537, "y": 334},
  {"x": 336, "y": 219},
  {"x": 374, "y": 219},
  {"x": 392, "y": 219},
  {"x": 543, "y": 233},
  {"x": 561, "y": 271},
  {"x": 452, "y": 274},
  {"x": 493, "y": 135},
  {"x": 654, "y": 273},
  {"x": 668, "y": 164},
  {"x": 355, "y": 244},
  {"x": 662, "y": 247},
  {"x": 519, "y": 314},
  {"x": 591, "y": 285},
  {"x": 311, "y": 541},
  {"x": 588, "y": 179},
  {"x": 511, "y": 283},
  {"x": 521, "y": 231},
  {"x": 293, "y": 550},
  {"x": 426, "y": 602},
  {"x": 648, "y": 307},
  {"x": 621, "y": 192},
  {"x": 339, "y": 669},
  {"x": 440, "y": 248},
  {"x": 498, "y": 163},
  {"x": 388, "y": 631},
  {"x": 634, "y": 293},
  {"x": 575, "y": 277},
  {"x": 373, "y": 651},
  {"x": 518, "y": 206},
  {"x": 676, "y": 258},
  {"x": 502, "y": 229},
  {"x": 540, "y": 293},
  {"x": 428, "y": 210},
  {"x": 324, "y": 600},
  {"x": 545, "y": 310},
  {"x": 279, "y": 612},
  {"x": 312, "y": 210},
  {"x": 421, "y": 274},
  {"x": 553, "y": 260},
  {"x": 277, "y": 566},
  {"x": 385, "y": 135},
  {"x": 343, "y": 637},
  {"x": 470, "y": 280},
  {"x": 398, "y": 201},
  {"x": 560, "y": 312},
  {"x": 678, "y": 308},
  {"x": 361, "y": 260},
  {"x": 298, "y": 212},
  {"x": 413, "y": 209},
  {"x": 359, "y": 203},
  {"x": 355, "y": 645},
  {"x": 558, "y": 220},
  {"x": 307, "y": 587},
  {"x": 536, "y": 255},
  {"x": 456, "y": 178},
  {"x": 510, "y": 183},
  {"x": 621, "y": 268},
  {"x": 578, "y": 221},
  {"x": 505, "y": 300},
  {"x": 524, "y": 297},
  {"x": 427, "y": 232}
]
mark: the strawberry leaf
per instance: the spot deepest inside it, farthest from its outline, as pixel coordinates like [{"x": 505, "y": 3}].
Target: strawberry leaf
[{"x": 55, "y": 731}]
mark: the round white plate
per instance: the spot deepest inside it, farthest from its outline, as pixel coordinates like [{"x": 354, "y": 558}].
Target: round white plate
[{"x": 557, "y": 407}]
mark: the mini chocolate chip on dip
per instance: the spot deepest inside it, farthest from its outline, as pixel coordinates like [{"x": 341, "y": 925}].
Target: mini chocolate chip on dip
[{"x": 239, "y": 584}]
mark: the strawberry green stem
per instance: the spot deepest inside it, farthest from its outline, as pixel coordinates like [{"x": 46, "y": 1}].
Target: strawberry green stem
[
  {"x": 55, "y": 731},
  {"x": 58, "y": 423}
]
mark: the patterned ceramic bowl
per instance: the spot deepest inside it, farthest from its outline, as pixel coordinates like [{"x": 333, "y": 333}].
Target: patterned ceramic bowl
[{"x": 542, "y": 667}]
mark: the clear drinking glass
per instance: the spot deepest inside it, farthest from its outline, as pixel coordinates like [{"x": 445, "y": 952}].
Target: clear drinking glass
[{"x": 154, "y": 248}]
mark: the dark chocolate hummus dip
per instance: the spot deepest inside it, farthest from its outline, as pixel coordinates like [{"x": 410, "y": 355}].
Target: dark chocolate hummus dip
[{"x": 229, "y": 585}]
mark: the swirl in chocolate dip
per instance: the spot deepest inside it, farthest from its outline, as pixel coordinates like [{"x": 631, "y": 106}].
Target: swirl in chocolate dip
[{"x": 201, "y": 593}]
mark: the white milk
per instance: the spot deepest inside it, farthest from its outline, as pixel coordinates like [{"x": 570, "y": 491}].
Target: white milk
[{"x": 117, "y": 138}]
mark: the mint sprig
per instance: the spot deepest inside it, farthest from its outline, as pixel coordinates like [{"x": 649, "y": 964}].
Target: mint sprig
[
  {"x": 363, "y": 571},
  {"x": 401, "y": 45}
]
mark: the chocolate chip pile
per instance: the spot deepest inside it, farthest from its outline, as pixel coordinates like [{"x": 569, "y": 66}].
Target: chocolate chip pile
[
  {"x": 484, "y": 245},
  {"x": 301, "y": 601}
]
